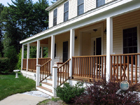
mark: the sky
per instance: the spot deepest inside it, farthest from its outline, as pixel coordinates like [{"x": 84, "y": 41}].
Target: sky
[{"x": 4, "y": 2}]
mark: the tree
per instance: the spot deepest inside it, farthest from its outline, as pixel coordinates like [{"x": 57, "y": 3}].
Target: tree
[
  {"x": 22, "y": 19},
  {"x": 1, "y": 45}
]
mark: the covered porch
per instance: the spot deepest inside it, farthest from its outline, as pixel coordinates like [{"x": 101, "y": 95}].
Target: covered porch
[{"x": 108, "y": 48}]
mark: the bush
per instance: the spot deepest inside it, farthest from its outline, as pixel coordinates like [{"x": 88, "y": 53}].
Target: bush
[
  {"x": 102, "y": 93},
  {"x": 68, "y": 92},
  {"x": 4, "y": 65}
]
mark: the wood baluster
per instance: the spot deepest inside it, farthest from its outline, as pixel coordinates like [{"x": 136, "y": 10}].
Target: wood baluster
[
  {"x": 120, "y": 68},
  {"x": 117, "y": 68},
  {"x": 114, "y": 69},
  {"x": 99, "y": 67},
  {"x": 102, "y": 66},
  {"x": 111, "y": 68},
  {"x": 131, "y": 69},
  {"x": 135, "y": 68},
  {"x": 124, "y": 67},
  {"x": 127, "y": 68},
  {"x": 94, "y": 67},
  {"x": 105, "y": 66}
]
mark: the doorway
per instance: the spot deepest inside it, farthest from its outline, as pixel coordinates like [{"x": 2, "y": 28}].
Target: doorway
[{"x": 65, "y": 51}]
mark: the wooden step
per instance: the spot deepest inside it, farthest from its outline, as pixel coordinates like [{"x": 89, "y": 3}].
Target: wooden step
[
  {"x": 47, "y": 83},
  {"x": 44, "y": 88}
]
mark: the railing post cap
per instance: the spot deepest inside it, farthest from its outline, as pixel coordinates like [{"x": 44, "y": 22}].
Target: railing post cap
[
  {"x": 38, "y": 65},
  {"x": 55, "y": 65}
]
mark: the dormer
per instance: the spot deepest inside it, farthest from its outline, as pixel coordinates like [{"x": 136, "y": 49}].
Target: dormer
[{"x": 64, "y": 10}]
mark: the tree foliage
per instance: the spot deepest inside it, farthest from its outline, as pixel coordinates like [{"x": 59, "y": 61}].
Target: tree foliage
[{"x": 20, "y": 20}]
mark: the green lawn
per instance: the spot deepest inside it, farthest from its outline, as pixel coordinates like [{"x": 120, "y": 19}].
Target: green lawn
[{"x": 10, "y": 85}]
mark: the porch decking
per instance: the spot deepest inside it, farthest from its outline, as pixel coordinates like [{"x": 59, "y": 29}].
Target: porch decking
[{"x": 123, "y": 67}]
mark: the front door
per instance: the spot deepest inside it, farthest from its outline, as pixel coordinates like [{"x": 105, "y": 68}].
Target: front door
[
  {"x": 65, "y": 51},
  {"x": 98, "y": 46}
]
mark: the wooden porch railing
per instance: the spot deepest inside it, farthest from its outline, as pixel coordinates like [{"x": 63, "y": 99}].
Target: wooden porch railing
[
  {"x": 24, "y": 64},
  {"x": 45, "y": 70},
  {"x": 89, "y": 66},
  {"x": 63, "y": 73},
  {"x": 32, "y": 63},
  {"x": 125, "y": 67}
]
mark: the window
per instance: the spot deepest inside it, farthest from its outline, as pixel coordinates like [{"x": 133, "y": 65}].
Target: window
[
  {"x": 130, "y": 41},
  {"x": 100, "y": 3},
  {"x": 54, "y": 17},
  {"x": 80, "y": 7},
  {"x": 66, "y": 11}
]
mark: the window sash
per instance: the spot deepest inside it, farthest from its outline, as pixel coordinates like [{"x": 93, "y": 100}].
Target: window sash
[
  {"x": 54, "y": 17},
  {"x": 100, "y": 3},
  {"x": 80, "y": 7}
]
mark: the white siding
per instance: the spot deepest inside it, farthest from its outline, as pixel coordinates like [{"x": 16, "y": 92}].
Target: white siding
[
  {"x": 72, "y": 8},
  {"x": 50, "y": 19},
  {"x": 60, "y": 14},
  {"x": 89, "y": 4}
]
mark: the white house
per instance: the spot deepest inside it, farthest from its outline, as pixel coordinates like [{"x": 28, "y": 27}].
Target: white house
[{"x": 86, "y": 39}]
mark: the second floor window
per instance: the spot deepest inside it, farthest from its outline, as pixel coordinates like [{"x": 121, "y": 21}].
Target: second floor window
[
  {"x": 66, "y": 11},
  {"x": 100, "y": 2},
  {"x": 54, "y": 17},
  {"x": 80, "y": 7}
]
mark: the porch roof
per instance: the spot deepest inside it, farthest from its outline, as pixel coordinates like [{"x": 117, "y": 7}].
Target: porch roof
[{"x": 109, "y": 10}]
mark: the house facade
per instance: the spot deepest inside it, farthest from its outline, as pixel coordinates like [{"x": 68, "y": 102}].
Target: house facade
[{"x": 87, "y": 39}]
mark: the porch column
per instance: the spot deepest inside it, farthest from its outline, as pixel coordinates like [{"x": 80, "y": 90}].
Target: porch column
[
  {"x": 41, "y": 52},
  {"x": 109, "y": 45},
  {"x": 52, "y": 51},
  {"x": 22, "y": 57},
  {"x": 38, "y": 51},
  {"x": 72, "y": 43},
  {"x": 28, "y": 55}
]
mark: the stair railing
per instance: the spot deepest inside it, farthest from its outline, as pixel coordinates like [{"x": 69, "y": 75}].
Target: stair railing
[
  {"x": 45, "y": 70},
  {"x": 63, "y": 73}
]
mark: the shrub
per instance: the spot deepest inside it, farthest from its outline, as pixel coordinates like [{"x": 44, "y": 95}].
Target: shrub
[
  {"x": 68, "y": 92},
  {"x": 103, "y": 93},
  {"x": 4, "y": 65}
]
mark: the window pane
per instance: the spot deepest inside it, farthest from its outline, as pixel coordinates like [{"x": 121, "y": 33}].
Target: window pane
[
  {"x": 100, "y": 3},
  {"x": 66, "y": 16},
  {"x": 80, "y": 2},
  {"x": 66, "y": 6},
  {"x": 80, "y": 9}
]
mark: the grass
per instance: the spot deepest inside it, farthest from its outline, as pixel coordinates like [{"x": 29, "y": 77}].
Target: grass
[{"x": 10, "y": 85}]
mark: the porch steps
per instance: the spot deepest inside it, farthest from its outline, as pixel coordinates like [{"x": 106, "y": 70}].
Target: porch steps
[
  {"x": 46, "y": 87},
  {"x": 45, "y": 90}
]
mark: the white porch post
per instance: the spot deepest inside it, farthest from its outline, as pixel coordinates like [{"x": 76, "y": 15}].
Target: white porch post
[
  {"x": 52, "y": 51},
  {"x": 38, "y": 51},
  {"x": 28, "y": 55},
  {"x": 109, "y": 46},
  {"x": 22, "y": 57},
  {"x": 41, "y": 52},
  {"x": 37, "y": 65},
  {"x": 54, "y": 79},
  {"x": 72, "y": 43}
]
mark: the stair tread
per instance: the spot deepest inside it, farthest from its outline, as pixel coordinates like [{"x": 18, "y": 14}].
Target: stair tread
[
  {"x": 49, "y": 79},
  {"x": 47, "y": 83},
  {"x": 45, "y": 88}
]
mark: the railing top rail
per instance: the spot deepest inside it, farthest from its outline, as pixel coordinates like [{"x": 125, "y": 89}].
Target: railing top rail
[
  {"x": 46, "y": 62},
  {"x": 125, "y": 54},
  {"x": 44, "y": 58},
  {"x": 64, "y": 63},
  {"x": 88, "y": 56}
]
